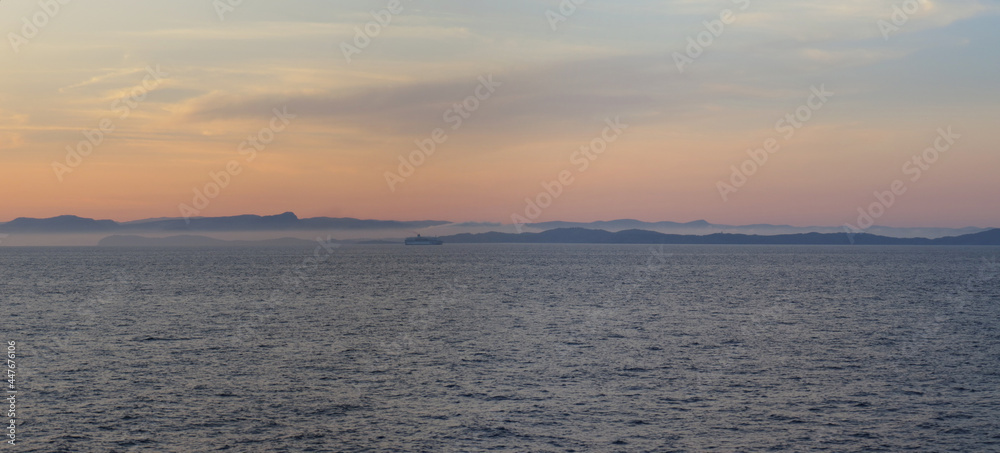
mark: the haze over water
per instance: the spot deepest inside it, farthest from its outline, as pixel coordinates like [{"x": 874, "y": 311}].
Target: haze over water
[{"x": 506, "y": 348}]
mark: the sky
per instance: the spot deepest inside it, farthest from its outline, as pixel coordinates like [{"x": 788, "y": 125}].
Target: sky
[{"x": 542, "y": 110}]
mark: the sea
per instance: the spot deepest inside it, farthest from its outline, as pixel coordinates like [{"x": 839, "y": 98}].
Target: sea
[{"x": 503, "y": 347}]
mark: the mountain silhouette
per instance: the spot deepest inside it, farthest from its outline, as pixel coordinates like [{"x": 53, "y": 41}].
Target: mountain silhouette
[
  {"x": 588, "y": 236},
  {"x": 282, "y": 222}
]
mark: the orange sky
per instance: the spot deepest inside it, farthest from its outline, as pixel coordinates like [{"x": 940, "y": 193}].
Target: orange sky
[{"x": 220, "y": 81}]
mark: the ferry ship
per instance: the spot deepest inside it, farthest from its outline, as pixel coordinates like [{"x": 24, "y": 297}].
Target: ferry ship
[{"x": 420, "y": 240}]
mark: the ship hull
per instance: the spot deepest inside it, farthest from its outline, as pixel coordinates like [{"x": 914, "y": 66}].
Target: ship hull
[{"x": 423, "y": 241}]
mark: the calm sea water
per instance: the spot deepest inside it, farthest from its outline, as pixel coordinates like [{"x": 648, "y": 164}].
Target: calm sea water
[{"x": 552, "y": 348}]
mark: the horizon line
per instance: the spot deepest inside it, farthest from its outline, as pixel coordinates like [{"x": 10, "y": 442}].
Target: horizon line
[{"x": 491, "y": 223}]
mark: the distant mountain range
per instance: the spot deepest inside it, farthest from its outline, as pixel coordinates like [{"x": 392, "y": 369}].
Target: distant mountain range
[
  {"x": 701, "y": 227},
  {"x": 282, "y": 222},
  {"x": 587, "y": 236},
  {"x": 289, "y": 222}
]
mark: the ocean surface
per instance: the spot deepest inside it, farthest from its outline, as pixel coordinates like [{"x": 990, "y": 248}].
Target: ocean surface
[{"x": 541, "y": 348}]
